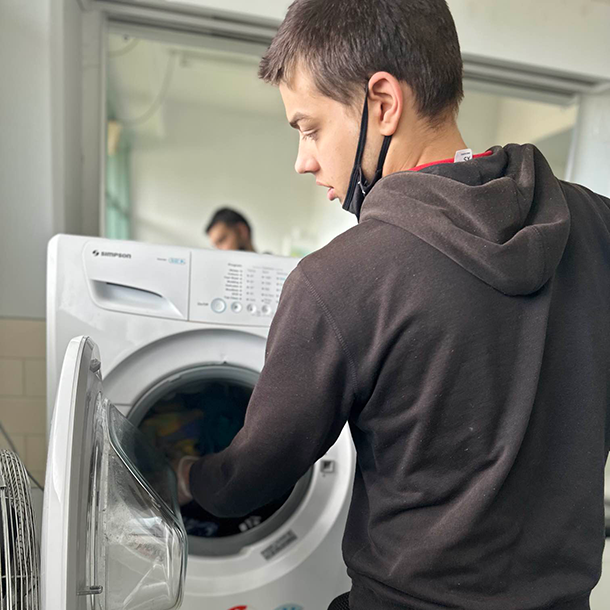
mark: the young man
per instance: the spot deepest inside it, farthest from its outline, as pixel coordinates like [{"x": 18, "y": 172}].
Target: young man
[
  {"x": 229, "y": 230},
  {"x": 461, "y": 328}
]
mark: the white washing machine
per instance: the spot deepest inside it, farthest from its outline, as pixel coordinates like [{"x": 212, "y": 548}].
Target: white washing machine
[
  {"x": 179, "y": 328},
  {"x": 600, "y": 597}
]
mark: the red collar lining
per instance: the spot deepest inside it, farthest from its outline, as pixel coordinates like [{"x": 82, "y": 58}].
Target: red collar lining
[{"x": 416, "y": 169}]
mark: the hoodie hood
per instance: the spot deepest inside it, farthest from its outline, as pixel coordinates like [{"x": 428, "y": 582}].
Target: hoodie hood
[{"x": 503, "y": 217}]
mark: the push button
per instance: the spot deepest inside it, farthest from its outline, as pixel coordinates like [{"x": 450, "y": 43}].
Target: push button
[
  {"x": 252, "y": 308},
  {"x": 236, "y": 307},
  {"x": 266, "y": 310},
  {"x": 219, "y": 306},
  {"x": 327, "y": 466}
]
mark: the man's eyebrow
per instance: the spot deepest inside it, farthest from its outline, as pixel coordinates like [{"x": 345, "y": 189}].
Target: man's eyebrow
[{"x": 297, "y": 118}]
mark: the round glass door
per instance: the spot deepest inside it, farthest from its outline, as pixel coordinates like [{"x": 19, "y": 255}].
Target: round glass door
[{"x": 198, "y": 412}]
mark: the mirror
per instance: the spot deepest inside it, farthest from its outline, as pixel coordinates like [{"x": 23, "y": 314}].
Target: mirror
[{"x": 191, "y": 129}]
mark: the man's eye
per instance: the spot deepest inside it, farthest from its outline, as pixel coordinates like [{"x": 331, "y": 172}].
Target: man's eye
[{"x": 310, "y": 135}]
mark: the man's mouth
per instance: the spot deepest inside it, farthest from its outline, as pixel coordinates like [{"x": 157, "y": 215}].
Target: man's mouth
[{"x": 331, "y": 191}]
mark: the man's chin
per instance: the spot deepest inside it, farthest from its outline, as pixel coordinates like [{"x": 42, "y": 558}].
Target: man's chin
[{"x": 334, "y": 196}]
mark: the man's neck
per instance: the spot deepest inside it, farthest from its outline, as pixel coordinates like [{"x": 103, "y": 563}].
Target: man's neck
[{"x": 430, "y": 146}]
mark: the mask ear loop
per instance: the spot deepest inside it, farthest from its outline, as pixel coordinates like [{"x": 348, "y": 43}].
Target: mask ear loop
[
  {"x": 357, "y": 176},
  {"x": 385, "y": 147},
  {"x": 363, "y": 129},
  {"x": 353, "y": 201},
  {"x": 365, "y": 185}
]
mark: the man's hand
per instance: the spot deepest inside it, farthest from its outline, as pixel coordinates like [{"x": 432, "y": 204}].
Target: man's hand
[{"x": 183, "y": 471}]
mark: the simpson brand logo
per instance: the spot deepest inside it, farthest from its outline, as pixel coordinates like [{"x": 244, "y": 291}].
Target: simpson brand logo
[{"x": 111, "y": 254}]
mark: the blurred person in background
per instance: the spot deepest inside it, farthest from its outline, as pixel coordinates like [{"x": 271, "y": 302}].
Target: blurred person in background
[{"x": 229, "y": 230}]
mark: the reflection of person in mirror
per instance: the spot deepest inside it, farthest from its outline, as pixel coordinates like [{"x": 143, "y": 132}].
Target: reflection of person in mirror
[{"x": 229, "y": 230}]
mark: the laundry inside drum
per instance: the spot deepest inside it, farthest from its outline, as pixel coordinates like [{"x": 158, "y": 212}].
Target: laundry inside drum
[{"x": 202, "y": 417}]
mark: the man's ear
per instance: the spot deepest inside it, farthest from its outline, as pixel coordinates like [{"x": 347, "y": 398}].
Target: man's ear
[
  {"x": 386, "y": 102},
  {"x": 243, "y": 231}
]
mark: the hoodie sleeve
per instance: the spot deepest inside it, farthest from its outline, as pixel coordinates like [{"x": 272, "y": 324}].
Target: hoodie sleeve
[{"x": 300, "y": 404}]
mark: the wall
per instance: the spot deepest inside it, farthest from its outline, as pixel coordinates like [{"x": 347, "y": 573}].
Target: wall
[
  {"x": 273, "y": 10},
  {"x": 22, "y": 390},
  {"x": 66, "y": 109},
  {"x": 591, "y": 147},
  {"x": 40, "y": 148},
  {"x": 26, "y": 216},
  {"x": 92, "y": 144},
  {"x": 26, "y": 220},
  {"x": 40, "y": 156},
  {"x": 565, "y": 35}
]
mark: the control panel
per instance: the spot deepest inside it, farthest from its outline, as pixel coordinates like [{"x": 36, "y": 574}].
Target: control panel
[{"x": 236, "y": 287}]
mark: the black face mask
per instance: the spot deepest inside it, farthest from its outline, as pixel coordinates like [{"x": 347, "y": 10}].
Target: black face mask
[{"x": 359, "y": 186}]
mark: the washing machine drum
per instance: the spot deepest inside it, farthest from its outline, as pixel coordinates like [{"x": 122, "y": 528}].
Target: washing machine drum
[{"x": 198, "y": 414}]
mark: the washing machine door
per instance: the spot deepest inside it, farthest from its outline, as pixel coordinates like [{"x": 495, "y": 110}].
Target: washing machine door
[{"x": 112, "y": 537}]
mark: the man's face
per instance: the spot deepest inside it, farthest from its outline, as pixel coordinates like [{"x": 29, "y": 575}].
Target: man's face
[
  {"x": 225, "y": 237},
  {"x": 328, "y": 134}
]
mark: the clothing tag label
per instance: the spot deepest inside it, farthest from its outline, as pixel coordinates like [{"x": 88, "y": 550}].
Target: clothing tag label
[{"x": 463, "y": 155}]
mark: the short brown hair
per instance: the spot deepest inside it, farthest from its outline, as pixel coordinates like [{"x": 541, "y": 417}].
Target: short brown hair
[
  {"x": 230, "y": 217},
  {"x": 344, "y": 42}
]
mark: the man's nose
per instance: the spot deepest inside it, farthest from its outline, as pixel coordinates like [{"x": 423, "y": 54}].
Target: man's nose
[{"x": 305, "y": 163}]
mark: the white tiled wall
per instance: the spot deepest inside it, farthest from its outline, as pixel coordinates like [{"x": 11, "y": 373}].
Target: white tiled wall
[{"x": 22, "y": 390}]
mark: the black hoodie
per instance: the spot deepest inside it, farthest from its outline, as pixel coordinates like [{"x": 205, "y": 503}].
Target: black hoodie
[{"x": 463, "y": 331}]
